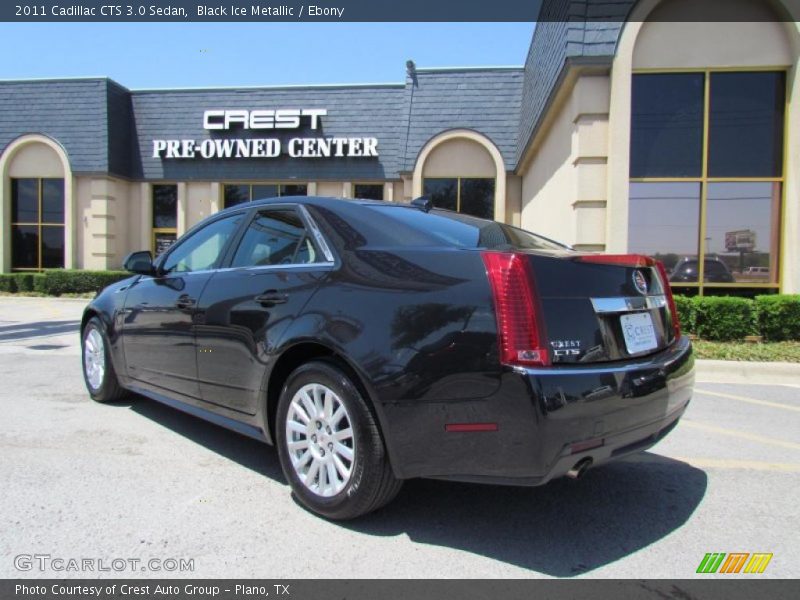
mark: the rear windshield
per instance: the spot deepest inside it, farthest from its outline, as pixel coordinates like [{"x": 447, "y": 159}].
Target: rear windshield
[{"x": 464, "y": 231}]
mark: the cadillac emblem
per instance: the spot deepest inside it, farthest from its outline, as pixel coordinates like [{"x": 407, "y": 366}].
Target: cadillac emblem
[{"x": 640, "y": 282}]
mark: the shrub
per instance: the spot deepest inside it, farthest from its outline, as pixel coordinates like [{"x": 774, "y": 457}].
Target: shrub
[
  {"x": 724, "y": 317},
  {"x": 778, "y": 317},
  {"x": 24, "y": 281},
  {"x": 38, "y": 283},
  {"x": 63, "y": 281},
  {"x": 8, "y": 283},
  {"x": 686, "y": 313}
]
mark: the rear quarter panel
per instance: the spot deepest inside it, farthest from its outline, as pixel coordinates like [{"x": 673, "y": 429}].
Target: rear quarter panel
[{"x": 419, "y": 324}]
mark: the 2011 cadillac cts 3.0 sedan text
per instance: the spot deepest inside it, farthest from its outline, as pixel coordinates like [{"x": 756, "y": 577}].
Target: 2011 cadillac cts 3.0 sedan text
[{"x": 373, "y": 342}]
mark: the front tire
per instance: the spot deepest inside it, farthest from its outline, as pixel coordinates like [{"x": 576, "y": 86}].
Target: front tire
[
  {"x": 98, "y": 370},
  {"x": 330, "y": 446}
]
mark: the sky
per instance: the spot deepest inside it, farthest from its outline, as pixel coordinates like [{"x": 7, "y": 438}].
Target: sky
[{"x": 159, "y": 55}]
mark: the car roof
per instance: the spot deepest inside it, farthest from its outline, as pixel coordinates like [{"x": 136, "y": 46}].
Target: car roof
[{"x": 328, "y": 201}]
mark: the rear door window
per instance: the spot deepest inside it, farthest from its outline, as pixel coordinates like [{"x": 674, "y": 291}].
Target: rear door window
[{"x": 275, "y": 237}]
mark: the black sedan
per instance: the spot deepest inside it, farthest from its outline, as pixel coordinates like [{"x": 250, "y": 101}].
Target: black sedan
[{"x": 373, "y": 342}]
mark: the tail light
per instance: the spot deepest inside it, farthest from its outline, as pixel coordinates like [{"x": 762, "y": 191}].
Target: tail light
[
  {"x": 520, "y": 331},
  {"x": 625, "y": 260},
  {"x": 662, "y": 273}
]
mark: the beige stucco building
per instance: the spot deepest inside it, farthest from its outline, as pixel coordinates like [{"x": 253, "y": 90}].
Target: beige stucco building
[{"x": 658, "y": 131}]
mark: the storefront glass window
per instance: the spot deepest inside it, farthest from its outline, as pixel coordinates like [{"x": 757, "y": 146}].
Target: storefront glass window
[
  {"x": 477, "y": 197},
  {"x": 469, "y": 195},
  {"x": 264, "y": 191},
  {"x": 713, "y": 214},
  {"x": 53, "y": 200},
  {"x": 442, "y": 192},
  {"x": 742, "y": 229},
  {"x": 37, "y": 224},
  {"x": 663, "y": 221},
  {"x": 165, "y": 217},
  {"x": 293, "y": 189},
  {"x": 746, "y": 125},
  {"x": 52, "y": 247},
  {"x": 667, "y": 125},
  {"x": 25, "y": 200},
  {"x": 369, "y": 191},
  {"x": 236, "y": 193},
  {"x": 25, "y": 246},
  {"x": 165, "y": 206}
]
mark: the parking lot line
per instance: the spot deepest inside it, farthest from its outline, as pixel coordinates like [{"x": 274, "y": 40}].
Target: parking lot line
[
  {"x": 749, "y": 400},
  {"x": 740, "y": 434},
  {"x": 729, "y": 463}
]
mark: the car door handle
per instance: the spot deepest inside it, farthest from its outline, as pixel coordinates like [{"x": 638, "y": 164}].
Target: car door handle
[
  {"x": 271, "y": 298},
  {"x": 184, "y": 302}
]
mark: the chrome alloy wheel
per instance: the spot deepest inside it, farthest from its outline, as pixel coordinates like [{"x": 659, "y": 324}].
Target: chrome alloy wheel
[
  {"x": 94, "y": 358},
  {"x": 320, "y": 439}
]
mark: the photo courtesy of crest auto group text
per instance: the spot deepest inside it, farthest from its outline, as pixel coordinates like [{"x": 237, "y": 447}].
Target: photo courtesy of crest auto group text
[{"x": 361, "y": 300}]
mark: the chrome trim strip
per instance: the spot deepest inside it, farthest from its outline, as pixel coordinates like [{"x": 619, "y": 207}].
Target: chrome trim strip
[
  {"x": 662, "y": 359},
  {"x": 320, "y": 266},
  {"x": 312, "y": 225},
  {"x": 627, "y": 304},
  {"x": 297, "y": 266}
]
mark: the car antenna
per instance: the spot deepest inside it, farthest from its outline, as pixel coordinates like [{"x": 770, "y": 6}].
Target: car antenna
[{"x": 423, "y": 203}]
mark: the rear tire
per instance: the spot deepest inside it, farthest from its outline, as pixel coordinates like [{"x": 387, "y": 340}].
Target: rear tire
[
  {"x": 98, "y": 370},
  {"x": 330, "y": 445}
]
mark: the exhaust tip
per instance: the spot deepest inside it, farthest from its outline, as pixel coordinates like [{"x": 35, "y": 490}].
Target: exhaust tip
[{"x": 580, "y": 467}]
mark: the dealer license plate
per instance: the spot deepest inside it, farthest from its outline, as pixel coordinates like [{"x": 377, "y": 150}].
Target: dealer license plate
[{"x": 640, "y": 335}]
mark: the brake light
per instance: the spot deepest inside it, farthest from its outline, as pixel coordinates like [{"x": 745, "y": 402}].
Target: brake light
[
  {"x": 626, "y": 260},
  {"x": 662, "y": 273},
  {"x": 520, "y": 334}
]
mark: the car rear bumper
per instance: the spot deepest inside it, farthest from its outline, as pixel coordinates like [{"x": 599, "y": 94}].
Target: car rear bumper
[{"x": 547, "y": 420}]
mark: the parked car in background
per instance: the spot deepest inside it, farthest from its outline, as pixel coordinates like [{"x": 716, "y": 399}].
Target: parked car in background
[
  {"x": 714, "y": 271},
  {"x": 374, "y": 342},
  {"x": 756, "y": 273}
]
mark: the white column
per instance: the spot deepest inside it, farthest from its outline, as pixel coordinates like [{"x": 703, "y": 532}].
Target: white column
[
  {"x": 183, "y": 209},
  {"x": 215, "y": 199},
  {"x": 146, "y": 215}
]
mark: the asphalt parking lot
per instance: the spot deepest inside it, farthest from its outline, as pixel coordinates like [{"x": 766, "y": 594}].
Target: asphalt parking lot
[{"x": 139, "y": 480}]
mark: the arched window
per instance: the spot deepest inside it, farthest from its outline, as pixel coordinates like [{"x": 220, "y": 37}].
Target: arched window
[
  {"x": 460, "y": 175},
  {"x": 36, "y": 172},
  {"x": 37, "y": 223}
]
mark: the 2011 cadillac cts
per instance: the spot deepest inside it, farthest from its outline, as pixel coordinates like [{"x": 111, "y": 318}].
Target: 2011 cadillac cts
[{"x": 373, "y": 342}]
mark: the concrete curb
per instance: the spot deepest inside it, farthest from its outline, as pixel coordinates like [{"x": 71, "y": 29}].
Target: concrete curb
[{"x": 730, "y": 371}]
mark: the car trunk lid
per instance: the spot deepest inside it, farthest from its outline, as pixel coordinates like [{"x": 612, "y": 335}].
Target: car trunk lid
[
  {"x": 599, "y": 308},
  {"x": 567, "y": 307}
]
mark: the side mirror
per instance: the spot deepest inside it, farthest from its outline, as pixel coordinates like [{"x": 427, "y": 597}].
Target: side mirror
[{"x": 140, "y": 262}]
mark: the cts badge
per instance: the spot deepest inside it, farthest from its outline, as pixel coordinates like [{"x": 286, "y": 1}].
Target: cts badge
[{"x": 640, "y": 282}]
